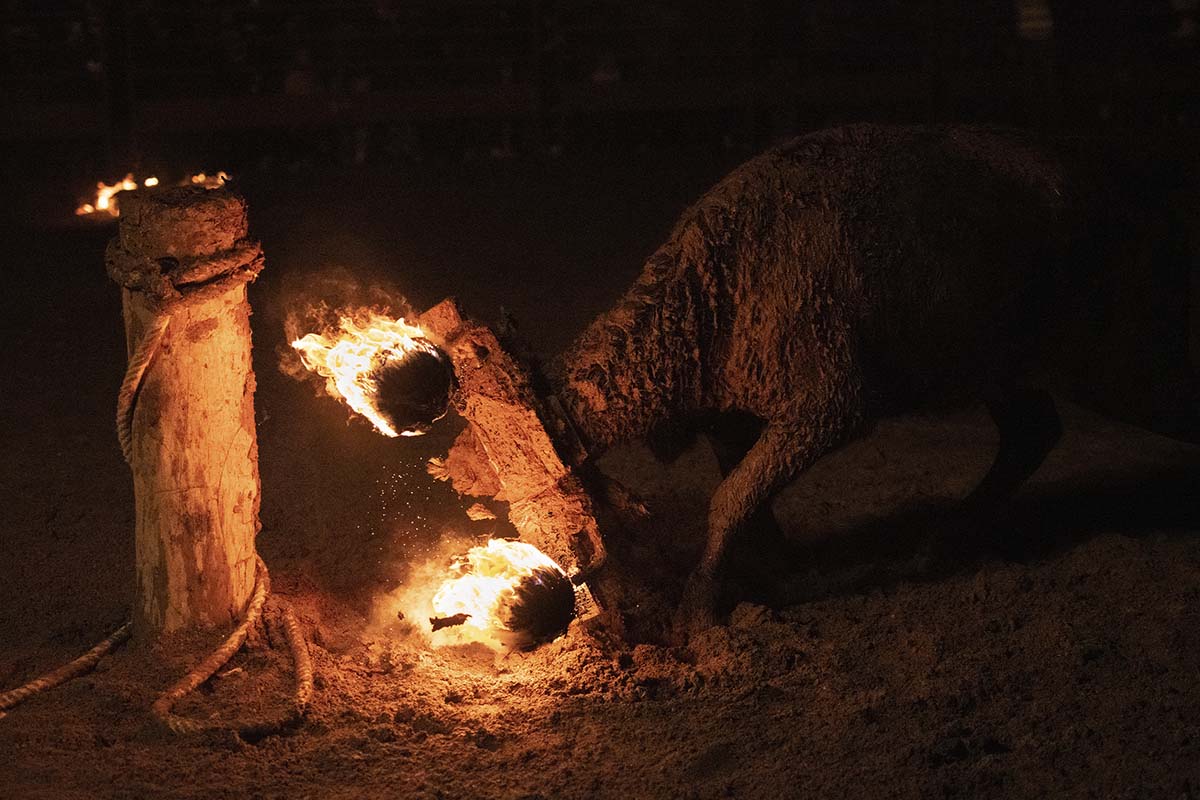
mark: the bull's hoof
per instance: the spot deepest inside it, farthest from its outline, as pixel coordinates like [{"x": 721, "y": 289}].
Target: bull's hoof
[{"x": 697, "y": 609}]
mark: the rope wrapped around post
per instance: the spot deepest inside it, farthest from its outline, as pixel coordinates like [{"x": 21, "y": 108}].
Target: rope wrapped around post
[{"x": 183, "y": 281}]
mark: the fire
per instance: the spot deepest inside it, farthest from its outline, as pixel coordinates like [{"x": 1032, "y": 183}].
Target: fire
[
  {"x": 106, "y": 200},
  {"x": 104, "y": 196},
  {"x": 481, "y": 600},
  {"x": 208, "y": 181},
  {"x": 351, "y": 358}
]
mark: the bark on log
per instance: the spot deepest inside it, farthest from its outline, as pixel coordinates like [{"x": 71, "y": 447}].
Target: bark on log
[{"x": 194, "y": 450}]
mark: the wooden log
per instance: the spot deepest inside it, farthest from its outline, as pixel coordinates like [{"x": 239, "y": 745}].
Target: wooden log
[
  {"x": 507, "y": 451},
  {"x": 194, "y": 451}
]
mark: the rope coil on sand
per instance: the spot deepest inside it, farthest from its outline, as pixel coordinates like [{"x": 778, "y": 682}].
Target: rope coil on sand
[
  {"x": 193, "y": 280},
  {"x": 217, "y": 658}
]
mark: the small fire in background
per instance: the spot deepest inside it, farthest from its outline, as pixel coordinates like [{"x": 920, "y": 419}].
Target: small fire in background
[
  {"x": 503, "y": 593},
  {"x": 106, "y": 202},
  {"x": 384, "y": 369}
]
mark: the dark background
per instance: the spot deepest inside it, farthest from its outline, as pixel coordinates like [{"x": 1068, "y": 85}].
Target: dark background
[{"x": 95, "y": 89}]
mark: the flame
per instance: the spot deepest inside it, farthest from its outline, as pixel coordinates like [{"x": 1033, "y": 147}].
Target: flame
[
  {"x": 106, "y": 200},
  {"x": 349, "y": 356},
  {"x": 104, "y": 196},
  {"x": 209, "y": 181},
  {"x": 482, "y": 583}
]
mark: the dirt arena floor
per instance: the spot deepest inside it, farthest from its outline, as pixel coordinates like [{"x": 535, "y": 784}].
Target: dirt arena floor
[{"x": 1064, "y": 662}]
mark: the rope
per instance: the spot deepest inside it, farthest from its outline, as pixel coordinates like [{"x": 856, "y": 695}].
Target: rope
[
  {"x": 217, "y": 658},
  {"x": 302, "y": 665},
  {"x": 163, "y": 282},
  {"x": 139, "y": 362},
  {"x": 141, "y": 358},
  {"x": 301, "y": 661},
  {"x": 85, "y": 663}
]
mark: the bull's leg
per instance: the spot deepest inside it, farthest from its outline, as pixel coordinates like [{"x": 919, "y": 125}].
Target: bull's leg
[
  {"x": 1029, "y": 428},
  {"x": 731, "y": 438},
  {"x": 781, "y": 451}
]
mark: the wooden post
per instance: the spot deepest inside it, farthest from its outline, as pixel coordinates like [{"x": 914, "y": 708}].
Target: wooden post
[{"x": 194, "y": 455}]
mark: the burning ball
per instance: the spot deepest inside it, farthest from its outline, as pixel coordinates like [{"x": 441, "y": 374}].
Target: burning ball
[
  {"x": 507, "y": 593},
  {"x": 382, "y": 368},
  {"x": 541, "y": 608},
  {"x": 413, "y": 388}
]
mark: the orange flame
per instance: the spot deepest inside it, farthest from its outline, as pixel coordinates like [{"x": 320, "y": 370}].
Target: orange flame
[
  {"x": 104, "y": 196},
  {"x": 482, "y": 582},
  {"x": 208, "y": 181},
  {"x": 349, "y": 356},
  {"x": 106, "y": 193}
]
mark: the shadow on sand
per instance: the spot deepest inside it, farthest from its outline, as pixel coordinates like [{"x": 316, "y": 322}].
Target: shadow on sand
[{"x": 932, "y": 541}]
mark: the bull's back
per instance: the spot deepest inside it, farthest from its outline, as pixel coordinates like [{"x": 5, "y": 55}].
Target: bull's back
[{"x": 920, "y": 260}]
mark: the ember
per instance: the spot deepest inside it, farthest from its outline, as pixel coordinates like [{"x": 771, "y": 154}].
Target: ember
[
  {"x": 507, "y": 593},
  {"x": 384, "y": 369}
]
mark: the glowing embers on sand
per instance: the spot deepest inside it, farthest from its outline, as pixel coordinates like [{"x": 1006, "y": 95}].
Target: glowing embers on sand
[
  {"x": 384, "y": 369},
  {"x": 106, "y": 202},
  {"x": 506, "y": 593}
]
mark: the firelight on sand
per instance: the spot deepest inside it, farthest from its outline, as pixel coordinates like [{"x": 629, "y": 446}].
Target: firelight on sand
[
  {"x": 384, "y": 369},
  {"x": 504, "y": 592}
]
